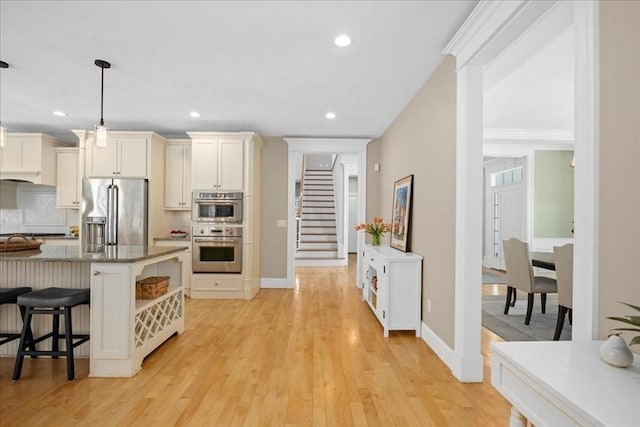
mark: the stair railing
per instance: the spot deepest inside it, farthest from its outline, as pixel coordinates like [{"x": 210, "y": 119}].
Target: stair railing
[{"x": 304, "y": 166}]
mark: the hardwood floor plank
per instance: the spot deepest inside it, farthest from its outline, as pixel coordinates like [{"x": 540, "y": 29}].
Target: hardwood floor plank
[{"x": 311, "y": 356}]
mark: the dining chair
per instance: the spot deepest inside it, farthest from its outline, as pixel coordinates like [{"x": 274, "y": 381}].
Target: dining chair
[
  {"x": 520, "y": 276},
  {"x": 563, "y": 257}
]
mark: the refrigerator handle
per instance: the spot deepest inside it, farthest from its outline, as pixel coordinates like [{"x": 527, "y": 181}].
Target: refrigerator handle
[{"x": 112, "y": 215}]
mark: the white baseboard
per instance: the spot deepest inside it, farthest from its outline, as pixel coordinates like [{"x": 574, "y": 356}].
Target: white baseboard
[
  {"x": 444, "y": 352},
  {"x": 466, "y": 371},
  {"x": 273, "y": 283}
]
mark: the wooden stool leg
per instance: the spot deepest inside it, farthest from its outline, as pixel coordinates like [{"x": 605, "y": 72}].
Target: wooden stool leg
[
  {"x": 71, "y": 373},
  {"x": 56, "y": 332},
  {"x": 26, "y": 326},
  {"x": 29, "y": 341}
]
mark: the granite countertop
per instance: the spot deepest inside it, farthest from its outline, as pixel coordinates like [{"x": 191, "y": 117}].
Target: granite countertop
[
  {"x": 74, "y": 253},
  {"x": 40, "y": 236}
]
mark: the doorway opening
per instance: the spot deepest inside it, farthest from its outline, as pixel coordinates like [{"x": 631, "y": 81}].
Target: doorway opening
[{"x": 349, "y": 160}]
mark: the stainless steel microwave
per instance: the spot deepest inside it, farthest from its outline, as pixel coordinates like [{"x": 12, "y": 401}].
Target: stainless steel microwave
[{"x": 217, "y": 207}]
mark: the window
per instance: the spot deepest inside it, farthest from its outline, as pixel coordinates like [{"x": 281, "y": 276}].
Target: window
[{"x": 508, "y": 177}]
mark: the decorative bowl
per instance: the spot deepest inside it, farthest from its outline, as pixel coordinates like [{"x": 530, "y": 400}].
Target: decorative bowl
[{"x": 178, "y": 235}]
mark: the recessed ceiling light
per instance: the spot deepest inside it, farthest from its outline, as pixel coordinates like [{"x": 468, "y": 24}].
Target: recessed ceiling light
[
  {"x": 342, "y": 40},
  {"x": 59, "y": 113},
  {"x": 330, "y": 115},
  {"x": 194, "y": 114}
]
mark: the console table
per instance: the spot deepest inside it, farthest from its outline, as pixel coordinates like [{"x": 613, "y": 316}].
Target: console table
[
  {"x": 565, "y": 383},
  {"x": 392, "y": 286}
]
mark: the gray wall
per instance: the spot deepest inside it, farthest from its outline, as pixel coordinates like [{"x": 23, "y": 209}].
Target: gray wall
[
  {"x": 422, "y": 141},
  {"x": 274, "y": 207},
  {"x": 619, "y": 231},
  {"x": 552, "y": 194}
]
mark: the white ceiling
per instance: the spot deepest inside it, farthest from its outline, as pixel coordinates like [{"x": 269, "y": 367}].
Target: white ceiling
[
  {"x": 269, "y": 67},
  {"x": 530, "y": 88}
]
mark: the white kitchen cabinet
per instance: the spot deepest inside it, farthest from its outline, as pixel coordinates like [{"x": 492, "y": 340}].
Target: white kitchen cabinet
[
  {"x": 68, "y": 192},
  {"x": 392, "y": 287},
  {"x": 217, "y": 163},
  {"x": 177, "y": 193},
  {"x": 30, "y": 157},
  {"x": 123, "y": 157}
]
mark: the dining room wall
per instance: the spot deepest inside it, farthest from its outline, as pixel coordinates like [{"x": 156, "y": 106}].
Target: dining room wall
[
  {"x": 619, "y": 227},
  {"x": 552, "y": 194}
]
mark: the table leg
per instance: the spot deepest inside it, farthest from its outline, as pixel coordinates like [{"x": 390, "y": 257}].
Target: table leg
[{"x": 517, "y": 419}]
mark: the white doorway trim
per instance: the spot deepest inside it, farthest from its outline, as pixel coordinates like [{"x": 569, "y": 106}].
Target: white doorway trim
[
  {"x": 491, "y": 27},
  {"x": 300, "y": 146}
]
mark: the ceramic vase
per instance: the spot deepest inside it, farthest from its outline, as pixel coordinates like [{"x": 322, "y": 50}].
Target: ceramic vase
[{"x": 615, "y": 352}]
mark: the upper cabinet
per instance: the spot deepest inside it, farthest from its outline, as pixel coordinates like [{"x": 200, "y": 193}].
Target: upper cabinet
[
  {"x": 68, "y": 194},
  {"x": 30, "y": 157},
  {"x": 123, "y": 157},
  {"x": 217, "y": 161},
  {"x": 177, "y": 190}
]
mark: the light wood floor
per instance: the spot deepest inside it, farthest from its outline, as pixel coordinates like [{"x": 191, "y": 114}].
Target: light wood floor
[{"x": 314, "y": 355}]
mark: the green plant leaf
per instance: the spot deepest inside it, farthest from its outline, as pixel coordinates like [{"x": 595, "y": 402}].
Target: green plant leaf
[
  {"x": 635, "y": 340},
  {"x": 624, "y": 320},
  {"x": 635, "y": 307},
  {"x": 626, "y": 329}
]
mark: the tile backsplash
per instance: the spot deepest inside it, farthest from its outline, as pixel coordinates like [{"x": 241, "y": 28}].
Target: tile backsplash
[{"x": 36, "y": 212}]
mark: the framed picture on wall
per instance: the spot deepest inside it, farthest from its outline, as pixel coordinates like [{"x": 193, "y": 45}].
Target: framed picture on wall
[{"x": 401, "y": 213}]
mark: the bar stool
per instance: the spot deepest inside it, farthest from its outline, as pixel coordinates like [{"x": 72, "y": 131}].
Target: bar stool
[
  {"x": 10, "y": 296},
  {"x": 56, "y": 302}
]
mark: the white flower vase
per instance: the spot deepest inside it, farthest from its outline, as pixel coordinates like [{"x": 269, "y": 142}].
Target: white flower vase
[{"x": 615, "y": 351}]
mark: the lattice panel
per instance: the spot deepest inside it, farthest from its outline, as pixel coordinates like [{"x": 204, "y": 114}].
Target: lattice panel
[{"x": 156, "y": 317}]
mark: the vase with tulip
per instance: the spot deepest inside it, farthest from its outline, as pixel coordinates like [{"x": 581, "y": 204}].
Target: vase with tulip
[{"x": 376, "y": 229}]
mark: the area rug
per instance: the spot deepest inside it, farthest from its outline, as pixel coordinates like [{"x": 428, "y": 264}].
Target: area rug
[
  {"x": 492, "y": 279},
  {"x": 511, "y": 327}
]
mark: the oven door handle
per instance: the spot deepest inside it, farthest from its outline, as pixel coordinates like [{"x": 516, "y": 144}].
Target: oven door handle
[{"x": 217, "y": 240}]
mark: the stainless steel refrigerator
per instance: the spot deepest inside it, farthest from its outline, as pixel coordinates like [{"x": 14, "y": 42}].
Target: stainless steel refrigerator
[{"x": 123, "y": 203}]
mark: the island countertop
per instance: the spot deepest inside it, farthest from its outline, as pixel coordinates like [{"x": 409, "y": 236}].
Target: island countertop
[{"x": 74, "y": 253}]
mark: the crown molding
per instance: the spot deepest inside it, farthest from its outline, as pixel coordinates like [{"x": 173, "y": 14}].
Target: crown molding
[{"x": 491, "y": 27}]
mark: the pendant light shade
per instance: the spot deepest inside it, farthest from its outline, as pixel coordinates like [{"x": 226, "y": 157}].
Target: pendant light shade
[
  {"x": 102, "y": 133},
  {"x": 3, "y": 135},
  {"x": 3, "y": 130}
]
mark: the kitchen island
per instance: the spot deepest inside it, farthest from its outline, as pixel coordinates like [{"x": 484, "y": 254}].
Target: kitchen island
[{"x": 123, "y": 329}]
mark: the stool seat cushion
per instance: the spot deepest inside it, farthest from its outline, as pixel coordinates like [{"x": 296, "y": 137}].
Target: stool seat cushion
[
  {"x": 10, "y": 295},
  {"x": 55, "y": 297}
]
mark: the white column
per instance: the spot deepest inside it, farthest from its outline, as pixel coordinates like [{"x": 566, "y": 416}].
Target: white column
[{"x": 467, "y": 365}]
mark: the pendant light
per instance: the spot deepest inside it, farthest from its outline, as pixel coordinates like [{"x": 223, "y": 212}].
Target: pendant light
[
  {"x": 3, "y": 130},
  {"x": 102, "y": 133}
]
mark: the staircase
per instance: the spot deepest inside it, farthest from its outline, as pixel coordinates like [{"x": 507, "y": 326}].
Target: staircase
[{"x": 317, "y": 239}]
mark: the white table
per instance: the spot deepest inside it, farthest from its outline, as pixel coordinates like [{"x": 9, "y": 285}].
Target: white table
[{"x": 565, "y": 383}]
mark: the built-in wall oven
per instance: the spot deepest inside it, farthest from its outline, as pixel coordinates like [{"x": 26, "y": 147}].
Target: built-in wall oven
[
  {"x": 216, "y": 206},
  {"x": 216, "y": 248}
]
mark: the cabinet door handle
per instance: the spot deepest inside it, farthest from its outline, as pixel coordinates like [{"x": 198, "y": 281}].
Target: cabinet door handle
[{"x": 96, "y": 273}]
